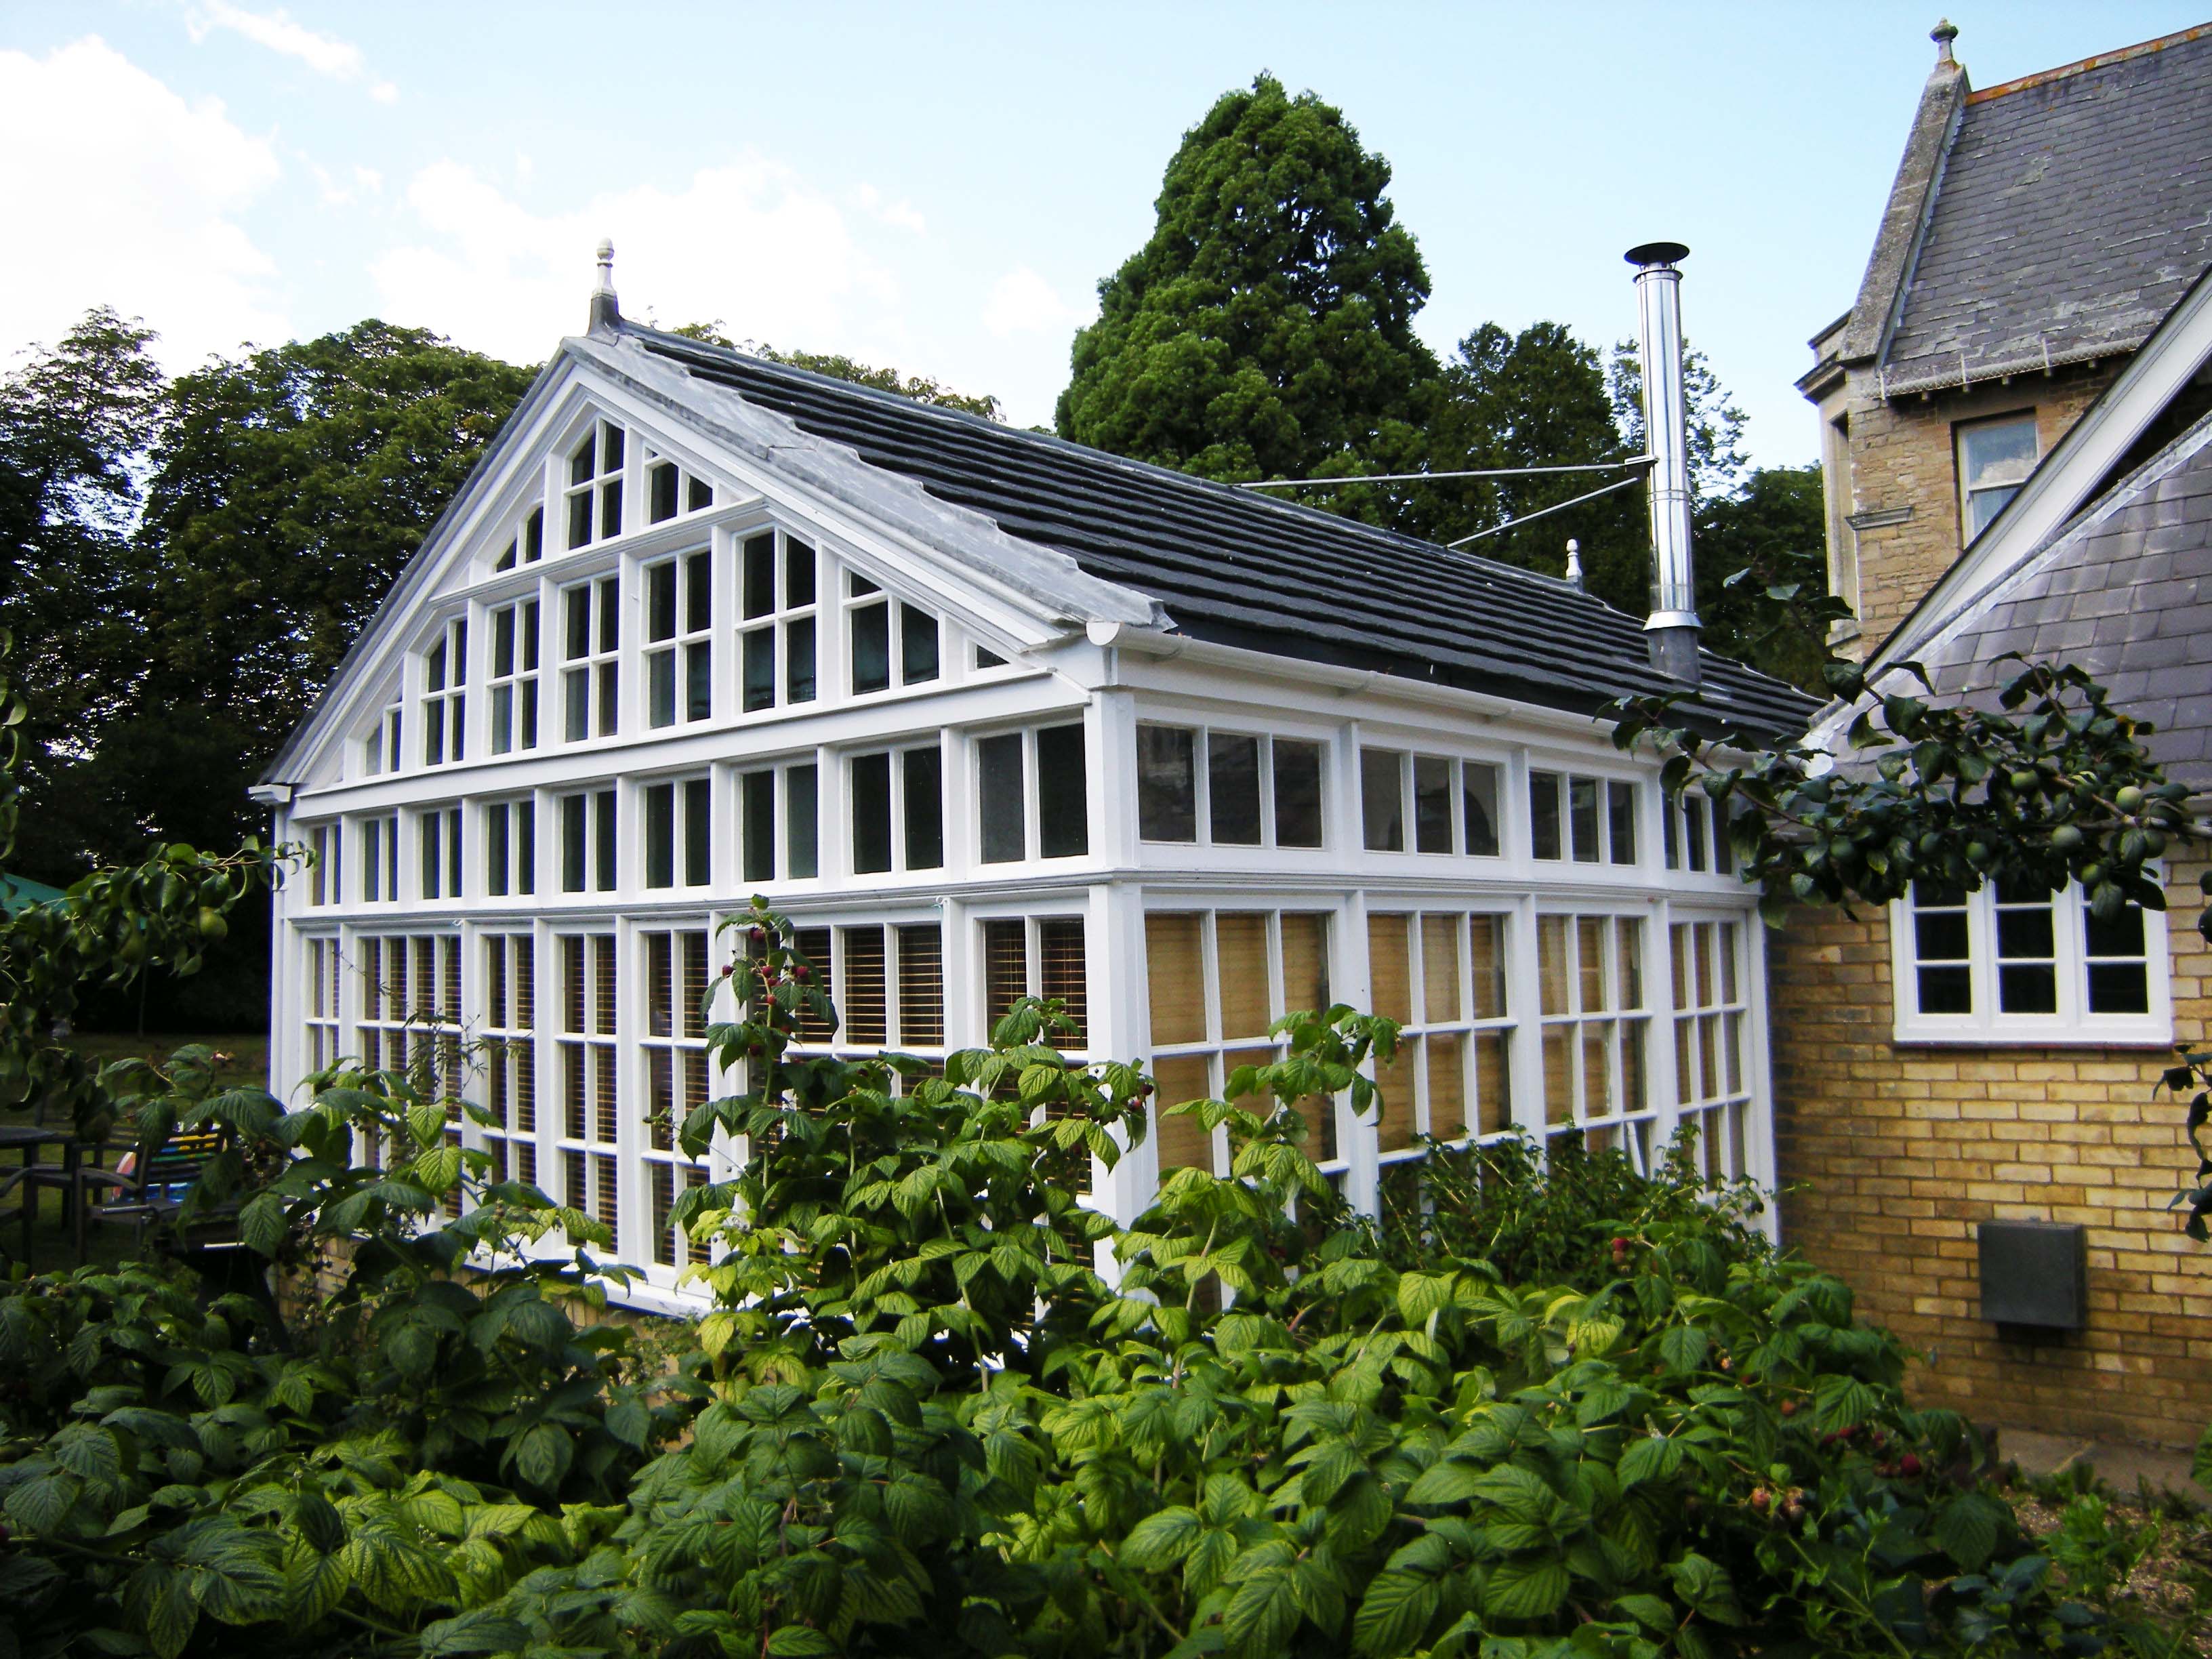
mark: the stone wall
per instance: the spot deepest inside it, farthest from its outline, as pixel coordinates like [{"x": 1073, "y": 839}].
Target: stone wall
[{"x": 1897, "y": 1151}]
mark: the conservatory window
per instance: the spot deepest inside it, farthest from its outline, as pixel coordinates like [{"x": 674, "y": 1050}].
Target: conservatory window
[
  {"x": 1441, "y": 975},
  {"x": 439, "y": 868},
  {"x": 379, "y": 859},
  {"x": 679, "y": 842},
  {"x": 1712, "y": 1073},
  {"x": 1454, "y": 803},
  {"x": 529, "y": 544},
  {"x": 326, "y": 986},
  {"x": 411, "y": 1009},
  {"x": 1217, "y": 980},
  {"x": 1596, "y": 1027},
  {"x": 326, "y": 847},
  {"x": 1588, "y": 820},
  {"x": 380, "y": 752},
  {"x": 791, "y": 792},
  {"x": 1259, "y": 791},
  {"x": 590, "y": 642},
  {"x": 512, "y": 683},
  {"x": 510, "y": 847},
  {"x": 594, "y": 495},
  {"x": 2014, "y": 964},
  {"x": 869, "y": 624},
  {"x": 510, "y": 1057},
  {"x": 679, "y": 656},
  {"x": 674, "y": 1045},
  {"x": 1696, "y": 835},
  {"x": 445, "y": 675},
  {"x": 587, "y": 842},
  {"x": 1036, "y": 956},
  {"x": 890, "y": 981},
  {"x": 1059, "y": 825},
  {"x": 671, "y": 490},
  {"x": 1995, "y": 458},
  {"x": 898, "y": 804},
  {"x": 590, "y": 1077},
  {"x": 986, "y": 659},
  {"x": 776, "y": 638}
]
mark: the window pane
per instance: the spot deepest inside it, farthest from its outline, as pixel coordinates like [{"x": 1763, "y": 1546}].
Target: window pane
[
  {"x": 495, "y": 851},
  {"x": 1005, "y": 969},
  {"x": 1488, "y": 938},
  {"x": 698, "y": 833},
  {"x": 1389, "y": 972},
  {"x": 1945, "y": 991},
  {"x": 698, "y": 680},
  {"x": 1240, "y": 956},
  {"x": 1432, "y": 804},
  {"x": 1232, "y": 768},
  {"x": 872, "y": 649},
  {"x": 660, "y": 835},
  {"x": 660, "y": 600},
  {"x": 1174, "y": 966},
  {"x": 663, "y": 478},
  {"x": 660, "y": 688},
  {"x": 1939, "y": 935},
  {"x": 759, "y": 579},
  {"x": 698, "y": 495},
  {"x": 1440, "y": 1003},
  {"x": 999, "y": 790},
  {"x": 1167, "y": 788},
  {"x": 799, "y": 669},
  {"x": 758, "y": 807},
  {"x": 2119, "y": 987},
  {"x": 799, "y": 806},
  {"x": 1061, "y": 973},
  {"x": 1544, "y": 814},
  {"x": 862, "y": 1004},
  {"x": 798, "y": 573},
  {"x": 603, "y": 815},
  {"x": 1297, "y": 793},
  {"x": 921, "y": 984},
  {"x": 1383, "y": 801},
  {"x": 871, "y": 813},
  {"x": 925, "y": 809},
  {"x": 1693, "y": 830},
  {"x": 698, "y": 593},
  {"x": 1184, "y": 1142},
  {"x": 760, "y": 669},
  {"x": 580, "y": 518},
  {"x": 2025, "y": 932},
  {"x": 1479, "y": 806},
  {"x": 609, "y": 592},
  {"x": 1620, "y": 822},
  {"x": 2121, "y": 934},
  {"x": 1582, "y": 817},
  {"x": 1305, "y": 963},
  {"x": 573, "y": 844},
  {"x": 2028, "y": 989},
  {"x": 1063, "y": 793},
  {"x": 917, "y": 645},
  {"x": 1997, "y": 453},
  {"x": 610, "y": 493}
]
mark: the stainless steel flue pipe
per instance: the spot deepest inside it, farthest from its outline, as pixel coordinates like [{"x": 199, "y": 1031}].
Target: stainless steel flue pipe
[{"x": 1672, "y": 628}]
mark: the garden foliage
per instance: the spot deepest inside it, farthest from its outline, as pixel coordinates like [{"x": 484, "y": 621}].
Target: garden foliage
[{"x": 941, "y": 1407}]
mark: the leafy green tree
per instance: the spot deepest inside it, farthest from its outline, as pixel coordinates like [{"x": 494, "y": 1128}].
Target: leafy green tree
[
  {"x": 838, "y": 366},
  {"x": 1266, "y": 329},
  {"x": 1715, "y": 424},
  {"x": 1762, "y": 572}
]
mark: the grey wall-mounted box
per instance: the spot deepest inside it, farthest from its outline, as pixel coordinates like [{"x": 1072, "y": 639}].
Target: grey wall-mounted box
[{"x": 2035, "y": 1274}]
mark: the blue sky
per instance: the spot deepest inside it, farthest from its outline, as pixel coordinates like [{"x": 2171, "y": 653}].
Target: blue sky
[{"x": 940, "y": 187}]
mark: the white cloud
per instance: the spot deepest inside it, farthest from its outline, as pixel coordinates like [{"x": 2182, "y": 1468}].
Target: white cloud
[
  {"x": 903, "y": 214},
  {"x": 748, "y": 243},
  {"x": 326, "y": 54},
  {"x": 1023, "y": 302},
  {"x": 133, "y": 203}
]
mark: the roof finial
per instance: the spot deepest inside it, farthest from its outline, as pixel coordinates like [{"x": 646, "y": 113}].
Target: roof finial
[
  {"x": 606, "y": 310},
  {"x": 1574, "y": 562},
  {"x": 1943, "y": 34}
]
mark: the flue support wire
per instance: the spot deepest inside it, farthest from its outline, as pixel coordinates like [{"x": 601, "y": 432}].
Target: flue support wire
[{"x": 1544, "y": 512}]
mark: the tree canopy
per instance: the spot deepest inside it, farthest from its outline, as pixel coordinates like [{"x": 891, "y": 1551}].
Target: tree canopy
[{"x": 1266, "y": 329}]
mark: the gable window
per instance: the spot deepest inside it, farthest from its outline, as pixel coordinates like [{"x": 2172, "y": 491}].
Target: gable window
[
  {"x": 670, "y": 490},
  {"x": 380, "y": 753},
  {"x": 2006, "y": 963},
  {"x": 869, "y": 620},
  {"x": 777, "y": 636},
  {"x": 590, "y": 634},
  {"x": 1058, "y": 827},
  {"x": 1036, "y": 956},
  {"x": 1995, "y": 458},
  {"x": 529, "y": 544},
  {"x": 513, "y": 682},
  {"x": 594, "y": 495},
  {"x": 679, "y": 657},
  {"x": 679, "y": 843},
  {"x": 1258, "y": 791},
  {"x": 326, "y": 843},
  {"x": 792, "y": 793},
  {"x": 510, "y": 847},
  {"x": 587, "y": 842},
  {"x": 379, "y": 859},
  {"x": 897, "y": 799},
  {"x": 440, "y": 867},
  {"x": 1589, "y": 820},
  {"x": 445, "y": 673},
  {"x": 1454, "y": 803}
]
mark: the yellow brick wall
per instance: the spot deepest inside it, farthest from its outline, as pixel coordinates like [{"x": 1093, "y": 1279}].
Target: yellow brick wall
[
  {"x": 1897, "y": 1151},
  {"x": 1902, "y": 454}
]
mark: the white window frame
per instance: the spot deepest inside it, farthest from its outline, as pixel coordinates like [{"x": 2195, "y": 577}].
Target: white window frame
[
  {"x": 2072, "y": 1026},
  {"x": 680, "y": 840},
  {"x": 1032, "y": 793},
  {"x": 896, "y": 756},
  {"x": 686, "y": 643},
  {"x": 777, "y": 622},
  {"x": 600, "y": 485},
  {"x": 780, "y": 770},
  {"x": 516, "y": 877},
  {"x": 1202, "y": 761},
  {"x": 522, "y": 727},
  {"x": 1564, "y": 780},
  {"x": 1961, "y": 434},
  {"x": 689, "y": 488}
]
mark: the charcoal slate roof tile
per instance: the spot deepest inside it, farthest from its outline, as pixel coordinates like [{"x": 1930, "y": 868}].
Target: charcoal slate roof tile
[
  {"x": 2145, "y": 534},
  {"x": 2073, "y": 209},
  {"x": 1240, "y": 568}
]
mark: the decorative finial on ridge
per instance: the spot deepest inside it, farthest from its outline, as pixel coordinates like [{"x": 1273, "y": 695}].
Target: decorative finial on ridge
[
  {"x": 1943, "y": 34},
  {"x": 1574, "y": 562},
  {"x": 606, "y": 310}
]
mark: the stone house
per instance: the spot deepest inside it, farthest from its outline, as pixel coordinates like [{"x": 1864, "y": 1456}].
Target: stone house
[{"x": 2018, "y": 455}]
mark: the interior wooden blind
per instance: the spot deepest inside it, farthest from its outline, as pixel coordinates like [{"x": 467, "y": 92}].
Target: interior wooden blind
[
  {"x": 1005, "y": 969},
  {"x": 1175, "y": 968},
  {"x": 1390, "y": 967},
  {"x": 1062, "y": 973},
  {"x": 866, "y": 1002},
  {"x": 1305, "y": 961},
  {"x": 922, "y": 985},
  {"x": 1240, "y": 953},
  {"x": 1183, "y": 1142},
  {"x": 813, "y": 943}
]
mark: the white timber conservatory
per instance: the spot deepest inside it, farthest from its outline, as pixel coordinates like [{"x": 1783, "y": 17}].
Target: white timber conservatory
[{"x": 986, "y": 715}]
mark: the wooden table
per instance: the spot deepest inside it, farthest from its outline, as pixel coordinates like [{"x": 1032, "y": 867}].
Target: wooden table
[{"x": 31, "y": 1139}]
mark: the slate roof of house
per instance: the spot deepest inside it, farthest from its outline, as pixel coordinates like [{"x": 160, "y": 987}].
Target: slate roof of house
[
  {"x": 1236, "y": 568},
  {"x": 2124, "y": 590},
  {"x": 2072, "y": 210}
]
